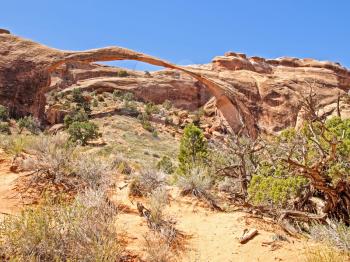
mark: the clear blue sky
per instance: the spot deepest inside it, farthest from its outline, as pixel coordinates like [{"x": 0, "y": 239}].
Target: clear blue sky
[{"x": 185, "y": 31}]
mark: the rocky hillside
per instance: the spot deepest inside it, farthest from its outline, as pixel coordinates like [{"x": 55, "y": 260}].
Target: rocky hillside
[{"x": 264, "y": 95}]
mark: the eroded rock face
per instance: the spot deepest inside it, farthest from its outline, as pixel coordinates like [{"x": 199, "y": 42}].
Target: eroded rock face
[{"x": 261, "y": 94}]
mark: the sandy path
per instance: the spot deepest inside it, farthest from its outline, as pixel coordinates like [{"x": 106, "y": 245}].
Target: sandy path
[
  {"x": 214, "y": 235},
  {"x": 10, "y": 201}
]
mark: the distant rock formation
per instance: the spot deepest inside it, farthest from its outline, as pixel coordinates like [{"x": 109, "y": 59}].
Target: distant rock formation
[{"x": 261, "y": 94}]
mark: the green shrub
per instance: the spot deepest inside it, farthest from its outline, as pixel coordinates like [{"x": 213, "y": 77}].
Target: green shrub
[
  {"x": 82, "y": 132},
  {"x": 122, "y": 73},
  {"x": 193, "y": 149},
  {"x": 128, "y": 96},
  {"x": 77, "y": 96},
  {"x": 130, "y": 107},
  {"x": 166, "y": 165},
  {"x": 117, "y": 94},
  {"x": 155, "y": 133},
  {"x": 274, "y": 186},
  {"x": 168, "y": 121},
  {"x": 147, "y": 126},
  {"x": 79, "y": 99},
  {"x": 167, "y": 104},
  {"x": 151, "y": 108},
  {"x": 76, "y": 116},
  {"x": 29, "y": 123},
  {"x": 100, "y": 98},
  {"x": 3, "y": 113},
  {"x": 5, "y": 128},
  {"x": 95, "y": 103}
]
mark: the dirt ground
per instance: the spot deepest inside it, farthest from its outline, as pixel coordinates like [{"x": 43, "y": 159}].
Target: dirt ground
[{"x": 211, "y": 236}]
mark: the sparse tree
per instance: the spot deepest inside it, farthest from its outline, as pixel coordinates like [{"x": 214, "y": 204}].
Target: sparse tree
[
  {"x": 83, "y": 132},
  {"x": 193, "y": 149}
]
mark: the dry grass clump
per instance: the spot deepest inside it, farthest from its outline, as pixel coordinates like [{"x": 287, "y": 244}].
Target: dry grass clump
[
  {"x": 157, "y": 201},
  {"x": 337, "y": 235},
  {"x": 15, "y": 144},
  {"x": 83, "y": 230},
  {"x": 164, "y": 242},
  {"x": 197, "y": 183},
  {"x": 325, "y": 254},
  {"x": 60, "y": 166},
  {"x": 157, "y": 248},
  {"x": 147, "y": 181},
  {"x": 92, "y": 170}
]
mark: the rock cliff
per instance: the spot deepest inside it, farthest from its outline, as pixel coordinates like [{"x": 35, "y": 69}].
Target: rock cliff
[{"x": 261, "y": 94}]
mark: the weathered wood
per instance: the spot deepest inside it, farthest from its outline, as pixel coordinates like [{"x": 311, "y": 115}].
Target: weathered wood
[{"x": 248, "y": 235}]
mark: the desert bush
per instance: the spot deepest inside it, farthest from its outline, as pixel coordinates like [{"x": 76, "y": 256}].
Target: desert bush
[
  {"x": 197, "y": 182},
  {"x": 272, "y": 185},
  {"x": 29, "y": 123},
  {"x": 61, "y": 163},
  {"x": 122, "y": 73},
  {"x": 146, "y": 124},
  {"x": 193, "y": 149},
  {"x": 79, "y": 99},
  {"x": 336, "y": 235},
  {"x": 146, "y": 181},
  {"x": 77, "y": 96},
  {"x": 229, "y": 185},
  {"x": 94, "y": 102},
  {"x": 93, "y": 170},
  {"x": 167, "y": 104},
  {"x": 166, "y": 165},
  {"x": 157, "y": 200},
  {"x": 197, "y": 116},
  {"x": 163, "y": 231},
  {"x": 128, "y": 96},
  {"x": 5, "y": 128},
  {"x": 168, "y": 121},
  {"x": 15, "y": 144},
  {"x": 81, "y": 231},
  {"x": 119, "y": 162},
  {"x": 117, "y": 94},
  {"x": 237, "y": 158},
  {"x": 130, "y": 107},
  {"x": 155, "y": 133},
  {"x": 75, "y": 116},
  {"x": 151, "y": 108},
  {"x": 82, "y": 132},
  {"x": 157, "y": 248},
  {"x": 100, "y": 98},
  {"x": 319, "y": 152},
  {"x": 4, "y": 115},
  {"x": 148, "y": 74}
]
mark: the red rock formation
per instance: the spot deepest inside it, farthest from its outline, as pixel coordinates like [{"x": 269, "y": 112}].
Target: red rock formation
[{"x": 262, "y": 94}]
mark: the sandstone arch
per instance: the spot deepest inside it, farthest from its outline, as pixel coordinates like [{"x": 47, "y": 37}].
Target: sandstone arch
[{"x": 25, "y": 68}]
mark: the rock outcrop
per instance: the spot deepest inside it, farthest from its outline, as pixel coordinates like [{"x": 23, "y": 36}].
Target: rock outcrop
[{"x": 260, "y": 94}]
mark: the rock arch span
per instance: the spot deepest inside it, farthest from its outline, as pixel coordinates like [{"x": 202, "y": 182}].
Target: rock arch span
[{"x": 25, "y": 68}]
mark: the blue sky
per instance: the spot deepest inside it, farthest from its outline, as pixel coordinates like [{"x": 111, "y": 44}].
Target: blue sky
[{"x": 187, "y": 32}]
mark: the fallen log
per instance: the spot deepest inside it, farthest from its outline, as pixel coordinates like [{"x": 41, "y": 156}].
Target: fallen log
[{"x": 248, "y": 235}]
